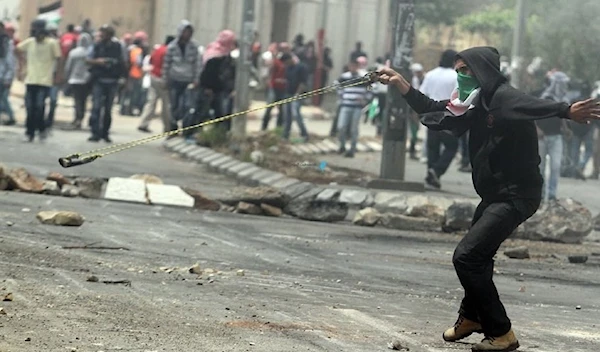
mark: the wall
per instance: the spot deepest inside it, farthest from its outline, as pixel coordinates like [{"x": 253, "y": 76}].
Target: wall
[{"x": 124, "y": 15}]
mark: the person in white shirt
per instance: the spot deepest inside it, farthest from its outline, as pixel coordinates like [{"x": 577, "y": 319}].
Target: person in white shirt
[{"x": 439, "y": 84}]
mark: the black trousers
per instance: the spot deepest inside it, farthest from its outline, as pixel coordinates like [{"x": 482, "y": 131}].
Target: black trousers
[
  {"x": 35, "y": 101},
  {"x": 436, "y": 159},
  {"x": 473, "y": 260},
  {"x": 80, "y": 94}
]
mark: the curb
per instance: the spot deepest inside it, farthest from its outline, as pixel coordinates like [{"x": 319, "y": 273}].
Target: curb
[{"x": 354, "y": 199}]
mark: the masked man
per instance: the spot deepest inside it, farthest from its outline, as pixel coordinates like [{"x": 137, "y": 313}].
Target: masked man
[{"x": 504, "y": 155}]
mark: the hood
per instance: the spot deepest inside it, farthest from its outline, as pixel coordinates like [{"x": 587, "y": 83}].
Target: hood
[
  {"x": 84, "y": 41},
  {"x": 183, "y": 25},
  {"x": 484, "y": 61}
]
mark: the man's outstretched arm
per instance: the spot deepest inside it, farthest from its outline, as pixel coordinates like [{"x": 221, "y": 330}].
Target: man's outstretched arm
[{"x": 417, "y": 100}]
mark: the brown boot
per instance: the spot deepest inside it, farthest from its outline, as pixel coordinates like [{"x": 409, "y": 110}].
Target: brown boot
[
  {"x": 461, "y": 329},
  {"x": 505, "y": 343}
]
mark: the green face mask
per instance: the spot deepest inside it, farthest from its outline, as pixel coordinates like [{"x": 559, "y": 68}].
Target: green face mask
[{"x": 466, "y": 85}]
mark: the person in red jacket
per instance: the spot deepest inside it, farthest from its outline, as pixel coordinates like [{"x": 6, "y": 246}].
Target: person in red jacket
[
  {"x": 158, "y": 90},
  {"x": 277, "y": 85}
]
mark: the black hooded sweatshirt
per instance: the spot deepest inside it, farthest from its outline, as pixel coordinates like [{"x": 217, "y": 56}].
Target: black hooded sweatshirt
[{"x": 503, "y": 143}]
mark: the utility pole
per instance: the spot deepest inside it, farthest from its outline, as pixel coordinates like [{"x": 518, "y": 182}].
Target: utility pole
[
  {"x": 397, "y": 111},
  {"x": 321, "y": 49},
  {"x": 242, "y": 77},
  {"x": 517, "y": 46}
]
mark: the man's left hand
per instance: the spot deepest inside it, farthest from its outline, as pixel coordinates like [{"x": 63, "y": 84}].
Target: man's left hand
[{"x": 584, "y": 111}]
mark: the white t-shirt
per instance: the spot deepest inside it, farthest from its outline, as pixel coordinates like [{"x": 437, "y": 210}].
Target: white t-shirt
[{"x": 439, "y": 83}]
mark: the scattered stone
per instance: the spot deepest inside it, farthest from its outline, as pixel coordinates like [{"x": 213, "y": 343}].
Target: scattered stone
[
  {"x": 4, "y": 182},
  {"x": 210, "y": 271},
  {"x": 148, "y": 179},
  {"x": 522, "y": 289},
  {"x": 60, "y": 218},
  {"x": 578, "y": 307},
  {"x": 26, "y": 210},
  {"x": 257, "y": 157},
  {"x": 51, "y": 188},
  {"x": 8, "y": 297},
  {"x": 458, "y": 217},
  {"x": 58, "y": 178},
  {"x": 22, "y": 180},
  {"x": 201, "y": 201},
  {"x": 10, "y": 223},
  {"x": 388, "y": 202},
  {"x": 27, "y": 339},
  {"x": 397, "y": 346},
  {"x": 90, "y": 187},
  {"x": 314, "y": 210},
  {"x": 274, "y": 149},
  {"x": 195, "y": 269},
  {"x": 271, "y": 210},
  {"x": 92, "y": 278},
  {"x": 427, "y": 207},
  {"x": 578, "y": 259},
  {"x": 408, "y": 223},
  {"x": 565, "y": 221},
  {"x": 367, "y": 217},
  {"x": 168, "y": 195},
  {"x": 240, "y": 273},
  {"x": 248, "y": 208},
  {"x": 69, "y": 191},
  {"x": 2, "y": 311},
  {"x": 517, "y": 253},
  {"x": 257, "y": 195}
]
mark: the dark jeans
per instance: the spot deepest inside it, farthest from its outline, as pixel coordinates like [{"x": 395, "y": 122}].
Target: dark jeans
[
  {"x": 474, "y": 263},
  {"x": 464, "y": 150},
  {"x": 436, "y": 159},
  {"x": 35, "y": 101},
  {"x": 5, "y": 103},
  {"x": 53, "y": 95},
  {"x": 103, "y": 96},
  {"x": 274, "y": 95},
  {"x": 179, "y": 101},
  {"x": 293, "y": 113},
  {"x": 80, "y": 94}
]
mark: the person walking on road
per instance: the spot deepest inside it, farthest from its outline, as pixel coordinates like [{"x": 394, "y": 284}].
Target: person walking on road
[
  {"x": 78, "y": 75},
  {"x": 504, "y": 155}
]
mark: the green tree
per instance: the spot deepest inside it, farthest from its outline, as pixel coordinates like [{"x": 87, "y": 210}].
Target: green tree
[{"x": 494, "y": 23}]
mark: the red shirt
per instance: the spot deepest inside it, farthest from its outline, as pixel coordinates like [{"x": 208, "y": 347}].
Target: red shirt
[
  {"x": 67, "y": 42},
  {"x": 156, "y": 60},
  {"x": 278, "y": 80}
]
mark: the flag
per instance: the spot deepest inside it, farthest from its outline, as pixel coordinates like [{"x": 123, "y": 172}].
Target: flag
[{"x": 51, "y": 13}]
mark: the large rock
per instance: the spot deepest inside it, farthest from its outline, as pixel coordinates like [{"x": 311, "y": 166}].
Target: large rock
[
  {"x": 90, "y": 187},
  {"x": 409, "y": 223},
  {"x": 565, "y": 221},
  {"x": 69, "y": 191},
  {"x": 270, "y": 210},
  {"x": 126, "y": 190},
  {"x": 313, "y": 210},
  {"x": 257, "y": 195},
  {"x": 458, "y": 217},
  {"x": 22, "y": 180},
  {"x": 60, "y": 218},
  {"x": 4, "y": 182},
  {"x": 597, "y": 223},
  {"x": 248, "y": 208},
  {"x": 51, "y": 188},
  {"x": 433, "y": 208},
  {"x": 367, "y": 217},
  {"x": 148, "y": 179},
  {"x": 201, "y": 201},
  {"x": 60, "y": 179}
]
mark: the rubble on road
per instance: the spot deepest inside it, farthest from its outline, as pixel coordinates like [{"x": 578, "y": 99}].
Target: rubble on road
[
  {"x": 367, "y": 217},
  {"x": 517, "y": 253},
  {"x": 256, "y": 195},
  {"x": 60, "y": 218},
  {"x": 566, "y": 221},
  {"x": 578, "y": 259},
  {"x": 248, "y": 208}
]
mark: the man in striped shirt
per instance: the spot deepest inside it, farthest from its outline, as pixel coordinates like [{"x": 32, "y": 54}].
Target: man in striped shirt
[{"x": 352, "y": 101}]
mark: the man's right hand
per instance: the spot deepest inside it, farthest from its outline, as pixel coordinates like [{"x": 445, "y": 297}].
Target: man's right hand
[{"x": 388, "y": 76}]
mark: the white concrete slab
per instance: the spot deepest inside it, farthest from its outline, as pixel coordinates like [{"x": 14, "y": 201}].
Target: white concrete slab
[
  {"x": 169, "y": 195},
  {"x": 126, "y": 190}
]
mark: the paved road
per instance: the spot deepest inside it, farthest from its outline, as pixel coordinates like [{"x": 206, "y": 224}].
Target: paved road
[{"x": 307, "y": 286}]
